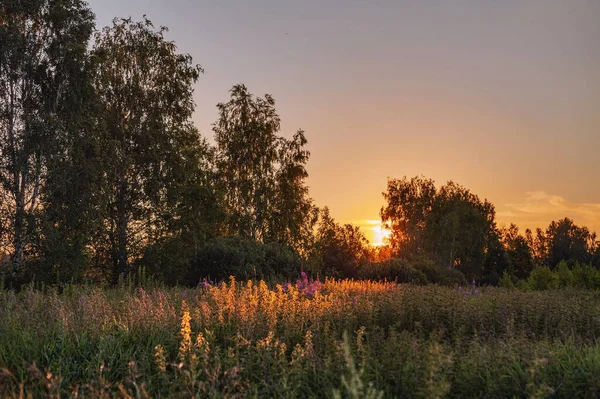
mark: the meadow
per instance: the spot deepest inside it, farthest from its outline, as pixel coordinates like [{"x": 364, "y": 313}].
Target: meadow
[{"x": 339, "y": 339}]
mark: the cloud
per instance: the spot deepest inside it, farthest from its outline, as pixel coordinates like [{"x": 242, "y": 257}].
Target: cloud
[{"x": 539, "y": 208}]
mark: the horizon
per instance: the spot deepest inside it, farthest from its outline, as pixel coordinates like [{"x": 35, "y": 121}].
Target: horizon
[{"x": 498, "y": 97}]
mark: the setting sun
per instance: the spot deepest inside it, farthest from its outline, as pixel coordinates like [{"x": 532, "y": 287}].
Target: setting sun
[{"x": 379, "y": 235}]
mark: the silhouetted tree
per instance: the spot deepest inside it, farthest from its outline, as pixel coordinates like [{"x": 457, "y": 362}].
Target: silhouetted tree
[
  {"x": 458, "y": 229},
  {"x": 42, "y": 53},
  {"x": 450, "y": 225},
  {"x": 496, "y": 260},
  {"x": 263, "y": 174},
  {"x": 518, "y": 251},
  {"x": 153, "y": 153},
  {"x": 339, "y": 250},
  {"x": 408, "y": 205},
  {"x": 567, "y": 241}
]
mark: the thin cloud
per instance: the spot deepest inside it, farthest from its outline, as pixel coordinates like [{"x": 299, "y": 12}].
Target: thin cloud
[{"x": 539, "y": 208}]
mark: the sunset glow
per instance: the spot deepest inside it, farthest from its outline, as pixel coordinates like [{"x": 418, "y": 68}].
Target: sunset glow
[
  {"x": 524, "y": 113},
  {"x": 376, "y": 234},
  {"x": 299, "y": 198}
]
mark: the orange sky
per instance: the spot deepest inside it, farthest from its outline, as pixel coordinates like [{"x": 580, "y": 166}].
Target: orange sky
[{"x": 502, "y": 97}]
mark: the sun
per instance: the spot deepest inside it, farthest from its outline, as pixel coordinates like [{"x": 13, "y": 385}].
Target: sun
[{"x": 380, "y": 235}]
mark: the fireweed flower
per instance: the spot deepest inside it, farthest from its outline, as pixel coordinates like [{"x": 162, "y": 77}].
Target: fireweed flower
[
  {"x": 204, "y": 283},
  {"x": 304, "y": 285},
  {"x": 473, "y": 291}
]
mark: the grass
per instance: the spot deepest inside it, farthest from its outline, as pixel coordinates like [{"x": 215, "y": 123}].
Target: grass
[{"x": 348, "y": 340}]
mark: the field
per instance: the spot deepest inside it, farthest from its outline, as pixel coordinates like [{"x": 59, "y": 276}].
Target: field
[{"x": 339, "y": 339}]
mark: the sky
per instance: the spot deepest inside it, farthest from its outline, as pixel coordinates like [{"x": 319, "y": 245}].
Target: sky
[{"x": 502, "y": 97}]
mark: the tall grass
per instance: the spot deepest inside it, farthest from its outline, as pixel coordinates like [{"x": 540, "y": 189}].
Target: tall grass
[{"x": 347, "y": 339}]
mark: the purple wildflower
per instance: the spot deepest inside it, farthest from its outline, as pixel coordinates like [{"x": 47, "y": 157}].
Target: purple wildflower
[{"x": 205, "y": 283}]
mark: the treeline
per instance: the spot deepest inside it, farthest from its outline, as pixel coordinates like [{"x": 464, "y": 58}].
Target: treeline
[
  {"x": 102, "y": 172},
  {"x": 451, "y": 228}
]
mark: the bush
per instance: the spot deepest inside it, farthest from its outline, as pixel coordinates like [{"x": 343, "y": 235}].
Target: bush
[
  {"x": 168, "y": 260},
  {"x": 542, "y": 278},
  {"x": 244, "y": 259},
  {"x": 564, "y": 274},
  {"x": 439, "y": 274},
  {"x": 393, "y": 270},
  {"x": 508, "y": 280},
  {"x": 586, "y": 276}
]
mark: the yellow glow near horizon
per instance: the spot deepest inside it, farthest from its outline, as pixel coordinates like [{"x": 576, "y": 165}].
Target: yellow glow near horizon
[{"x": 379, "y": 234}]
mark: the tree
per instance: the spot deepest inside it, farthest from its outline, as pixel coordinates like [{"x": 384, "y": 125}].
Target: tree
[
  {"x": 518, "y": 250},
  {"x": 408, "y": 204},
  {"x": 567, "y": 241},
  {"x": 537, "y": 244},
  {"x": 72, "y": 196},
  {"x": 263, "y": 174},
  {"x": 152, "y": 152},
  {"x": 339, "y": 250},
  {"x": 450, "y": 225},
  {"x": 42, "y": 51},
  {"x": 496, "y": 260},
  {"x": 460, "y": 228}
]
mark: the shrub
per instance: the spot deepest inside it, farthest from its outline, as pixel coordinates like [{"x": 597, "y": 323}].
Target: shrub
[
  {"x": 586, "y": 276},
  {"x": 508, "y": 280},
  {"x": 244, "y": 259},
  {"x": 542, "y": 278},
  {"x": 564, "y": 275},
  {"x": 393, "y": 269},
  {"x": 168, "y": 260},
  {"x": 439, "y": 274}
]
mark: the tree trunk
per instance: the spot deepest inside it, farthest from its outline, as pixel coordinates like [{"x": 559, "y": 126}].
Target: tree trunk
[
  {"x": 19, "y": 226},
  {"x": 120, "y": 255}
]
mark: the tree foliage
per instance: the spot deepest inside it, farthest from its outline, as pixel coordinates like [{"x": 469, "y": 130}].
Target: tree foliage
[
  {"x": 263, "y": 174},
  {"x": 42, "y": 55},
  {"x": 451, "y": 225},
  {"x": 339, "y": 250},
  {"x": 152, "y": 152},
  {"x": 567, "y": 241},
  {"x": 519, "y": 252}
]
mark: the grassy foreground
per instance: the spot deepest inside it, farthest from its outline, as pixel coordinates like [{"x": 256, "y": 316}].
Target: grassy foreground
[{"x": 341, "y": 339}]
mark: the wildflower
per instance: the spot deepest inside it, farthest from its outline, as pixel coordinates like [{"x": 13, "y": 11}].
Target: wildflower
[
  {"x": 204, "y": 283},
  {"x": 160, "y": 358},
  {"x": 185, "y": 333}
]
